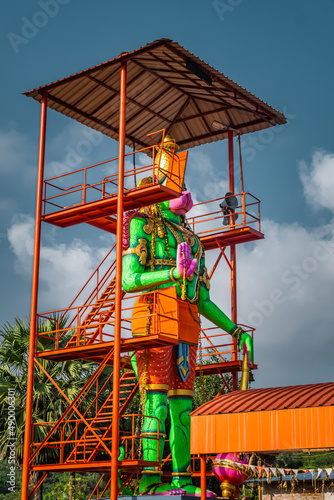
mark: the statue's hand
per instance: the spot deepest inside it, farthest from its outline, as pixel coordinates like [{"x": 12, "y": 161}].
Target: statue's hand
[
  {"x": 245, "y": 343},
  {"x": 184, "y": 260}
]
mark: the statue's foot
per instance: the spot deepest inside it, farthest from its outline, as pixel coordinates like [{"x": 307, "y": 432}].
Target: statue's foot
[
  {"x": 190, "y": 489},
  {"x": 151, "y": 484}
]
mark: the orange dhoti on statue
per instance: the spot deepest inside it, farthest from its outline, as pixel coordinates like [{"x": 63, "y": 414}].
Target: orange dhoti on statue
[{"x": 161, "y": 312}]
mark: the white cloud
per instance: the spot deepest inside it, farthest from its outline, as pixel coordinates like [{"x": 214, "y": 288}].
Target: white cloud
[
  {"x": 203, "y": 178},
  {"x": 76, "y": 147},
  {"x": 21, "y": 238},
  {"x": 15, "y": 150},
  {"x": 285, "y": 290},
  {"x": 318, "y": 180},
  {"x": 285, "y": 282},
  {"x": 63, "y": 268}
]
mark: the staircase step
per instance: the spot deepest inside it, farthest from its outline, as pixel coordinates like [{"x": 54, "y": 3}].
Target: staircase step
[{"x": 102, "y": 428}]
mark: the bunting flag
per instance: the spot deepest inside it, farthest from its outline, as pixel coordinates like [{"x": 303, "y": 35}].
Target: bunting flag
[
  {"x": 329, "y": 472},
  {"x": 259, "y": 470},
  {"x": 273, "y": 471}
]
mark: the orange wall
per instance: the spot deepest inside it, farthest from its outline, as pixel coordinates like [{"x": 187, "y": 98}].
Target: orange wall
[{"x": 293, "y": 429}]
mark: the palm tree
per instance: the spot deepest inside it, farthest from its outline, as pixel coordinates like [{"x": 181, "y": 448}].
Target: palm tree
[{"x": 47, "y": 405}]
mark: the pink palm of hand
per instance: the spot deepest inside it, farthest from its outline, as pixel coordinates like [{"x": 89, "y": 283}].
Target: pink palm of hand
[{"x": 184, "y": 260}]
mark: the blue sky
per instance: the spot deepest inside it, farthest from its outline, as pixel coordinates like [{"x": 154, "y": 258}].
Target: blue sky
[{"x": 281, "y": 52}]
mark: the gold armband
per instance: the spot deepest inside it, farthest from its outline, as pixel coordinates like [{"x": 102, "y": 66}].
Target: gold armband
[
  {"x": 149, "y": 471},
  {"x": 185, "y": 474},
  {"x": 140, "y": 250},
  {"x": 171, "y": 275},
  {"x": 237, "y": 332},
  {"x": 205, "y": 278}
]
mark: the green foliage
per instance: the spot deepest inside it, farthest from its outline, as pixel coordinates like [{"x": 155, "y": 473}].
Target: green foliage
[
  {"x": 48, "y": 405},
  {"x": 208, "y": 386},
  {"x": 4, "y": 493},
  {"x": 80, "y": 489},
  {"x": 205, "y": 389},
  {"x": 312, "y": 460}
]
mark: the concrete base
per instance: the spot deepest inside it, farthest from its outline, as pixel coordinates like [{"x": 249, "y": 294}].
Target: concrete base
[
  {"x": 158, "y": 497},
  {"x": 151, "y": 497}
]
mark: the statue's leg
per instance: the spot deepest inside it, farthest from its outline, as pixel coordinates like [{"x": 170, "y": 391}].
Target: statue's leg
[
  {"x": 155, "y": 406},
  {"x": 154, "y": 377},
  {"x": 180, "y": 407}
]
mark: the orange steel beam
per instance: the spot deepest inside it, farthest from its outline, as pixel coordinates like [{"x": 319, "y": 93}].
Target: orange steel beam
[
  {"x": 38, "y": 484},
  {"x": 241, "y": 169},
  {"x": 118, "y": 297},
  {"x": 91, "y": 352},
  {"x": 233, "y": 258},
  {"x": 74, "y": 402},
  {"x": 223, "y": 253},
  {"x": 34, "y": 300},
  {"x": 82, "y": 418},
  {"x": 94, "y": 210},
  {"x": 216, "y": 264},
  {"x": 127, "y": 464},
  {"x": 231, "y": 237},
  {"x": 203, "y": 476}
]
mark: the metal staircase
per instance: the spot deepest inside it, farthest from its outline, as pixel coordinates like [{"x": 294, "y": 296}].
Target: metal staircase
[
  {"x": 88, "y": 446},
  {"x": 90, "y": 330}
]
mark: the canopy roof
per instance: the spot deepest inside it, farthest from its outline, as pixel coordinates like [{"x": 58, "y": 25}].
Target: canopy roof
[
  {"x": 167, "y": 88},
  {"x": 266, "y": 420},
  {"x": 278, "y": 398}
]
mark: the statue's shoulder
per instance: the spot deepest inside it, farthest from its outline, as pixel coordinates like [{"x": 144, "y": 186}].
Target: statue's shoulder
[{"x": 134, "y": 224}]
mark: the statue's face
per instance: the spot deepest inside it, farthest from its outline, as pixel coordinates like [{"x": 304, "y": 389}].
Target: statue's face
[{"x": 179, "y": 206}]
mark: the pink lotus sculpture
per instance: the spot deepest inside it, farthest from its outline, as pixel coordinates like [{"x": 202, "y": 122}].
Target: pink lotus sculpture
[{"x": 231, "y": 469}]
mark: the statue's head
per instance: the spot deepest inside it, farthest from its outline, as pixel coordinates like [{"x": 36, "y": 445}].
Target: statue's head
[{"x": 179, "y": 206}]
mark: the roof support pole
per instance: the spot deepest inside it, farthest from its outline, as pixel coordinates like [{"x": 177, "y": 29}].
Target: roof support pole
[
  {"x": 34, "y": 301},
  {"x": 203, "y": 476},
  {"x": 233, "y": 258},
  {"x": 118, "y": 297}
]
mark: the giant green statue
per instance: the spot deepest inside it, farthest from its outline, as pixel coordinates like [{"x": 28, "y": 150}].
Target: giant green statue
[{"x": 162, "y": 253}]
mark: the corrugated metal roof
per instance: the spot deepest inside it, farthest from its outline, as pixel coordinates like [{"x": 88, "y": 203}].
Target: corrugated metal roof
[
  {"x": 278, "y": 398},
  {"x": 167, "y": 87}
]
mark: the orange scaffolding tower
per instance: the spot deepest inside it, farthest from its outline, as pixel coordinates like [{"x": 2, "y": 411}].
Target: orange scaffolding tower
[{"x": 159, "y": 86}]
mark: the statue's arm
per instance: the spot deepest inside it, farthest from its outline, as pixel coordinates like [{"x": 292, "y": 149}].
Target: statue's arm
[
  {"x": 212, "y": 312},
  {"x": 136, "y": 277}
]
